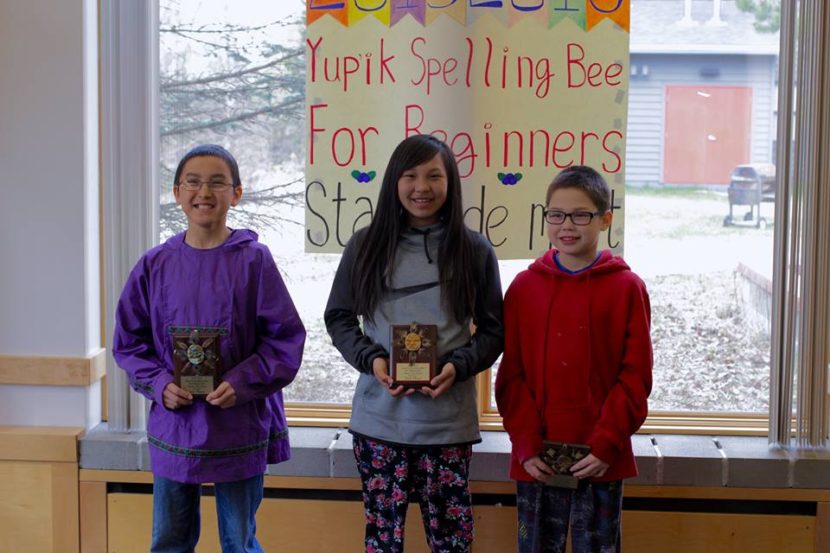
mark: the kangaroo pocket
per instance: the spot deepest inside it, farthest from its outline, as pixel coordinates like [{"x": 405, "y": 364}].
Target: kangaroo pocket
[
  {"x": 416, "y": 407},
  {"x": 570, "y": 424}
]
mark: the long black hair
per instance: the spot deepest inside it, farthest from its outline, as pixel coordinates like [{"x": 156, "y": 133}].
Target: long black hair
[{"x": 376, "y": 250}]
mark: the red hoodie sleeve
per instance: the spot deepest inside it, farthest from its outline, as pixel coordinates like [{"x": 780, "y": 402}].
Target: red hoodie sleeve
[
  {"x": 626, "y": 406},
  {"x": 513, "y": 398}
]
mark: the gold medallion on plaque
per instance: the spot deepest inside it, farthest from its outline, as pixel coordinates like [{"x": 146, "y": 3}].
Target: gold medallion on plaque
[
  {"x": 197, "y": 364},
  {"x": 414, "y": 354}
]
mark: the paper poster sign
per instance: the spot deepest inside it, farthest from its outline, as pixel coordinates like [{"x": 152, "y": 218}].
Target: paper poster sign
[{"x": 519, "y": 89}]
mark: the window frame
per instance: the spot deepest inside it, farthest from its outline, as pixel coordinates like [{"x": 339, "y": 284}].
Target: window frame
[
  {"x": 130, "y": 153},
  {"x": 128, "y": 73}
]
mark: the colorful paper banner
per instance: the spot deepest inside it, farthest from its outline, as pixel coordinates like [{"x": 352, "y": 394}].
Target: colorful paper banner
[
  {"x": 454, "y": 9},
  {"x": 568, "y": 9},
  {"x": 416, "y": 8},
  {"x": 315, "y": 9},
  {"x": 618, "y": 11},
  {"x": 358, "y": 9},
  {"x": 587, "y": 14}
]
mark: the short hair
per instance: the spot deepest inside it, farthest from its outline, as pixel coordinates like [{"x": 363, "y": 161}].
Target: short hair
[
  {"x": 210, "y": 150},
  {"x": 586, "y": 179}
]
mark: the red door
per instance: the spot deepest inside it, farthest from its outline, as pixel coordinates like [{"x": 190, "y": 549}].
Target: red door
[{"x": 708, "y": 130}]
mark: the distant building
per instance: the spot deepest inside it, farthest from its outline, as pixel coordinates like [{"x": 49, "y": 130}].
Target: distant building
[{"x": 703, "y": 92}]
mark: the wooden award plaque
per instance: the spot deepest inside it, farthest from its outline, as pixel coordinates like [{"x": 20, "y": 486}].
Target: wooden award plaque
[
  {"x": 414, "y": 354},
  {"x": 196, "y": 359},
  {"x": 561, "y": 457}
]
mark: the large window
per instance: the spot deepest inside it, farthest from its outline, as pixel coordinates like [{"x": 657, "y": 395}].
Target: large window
[
  {"x": 699, "y": 196},
  {"x": 233, "y": 73}
]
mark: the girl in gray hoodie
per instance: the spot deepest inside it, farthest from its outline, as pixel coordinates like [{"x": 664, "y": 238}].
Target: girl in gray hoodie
[{"x": 417, "y": 261}]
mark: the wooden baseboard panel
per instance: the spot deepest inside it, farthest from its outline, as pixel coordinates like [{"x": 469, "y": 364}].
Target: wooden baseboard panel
[
  {"x": 39, "y": 509},
  {"x": 53, "y": 370},
  {"x": 40, "y": 443}
]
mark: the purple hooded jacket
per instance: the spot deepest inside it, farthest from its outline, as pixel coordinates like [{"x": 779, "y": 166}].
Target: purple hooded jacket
[{"x": 236, "y": 290}]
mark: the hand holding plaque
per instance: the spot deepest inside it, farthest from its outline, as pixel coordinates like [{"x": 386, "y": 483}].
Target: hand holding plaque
[
  {"x": 560, "y": 457},
  {"x": 414, "y": 355},
  {"x": 196, "y": 360}
]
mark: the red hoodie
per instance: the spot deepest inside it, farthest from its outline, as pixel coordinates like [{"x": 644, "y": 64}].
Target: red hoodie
[{"x": 577, "y": 361}]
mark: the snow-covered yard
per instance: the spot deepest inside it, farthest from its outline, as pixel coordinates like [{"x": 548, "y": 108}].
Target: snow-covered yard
[{"x": 707, "y": 355}]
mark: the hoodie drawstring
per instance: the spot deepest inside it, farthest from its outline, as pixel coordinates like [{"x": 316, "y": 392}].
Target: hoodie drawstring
[{"x": 424, "y": 233}]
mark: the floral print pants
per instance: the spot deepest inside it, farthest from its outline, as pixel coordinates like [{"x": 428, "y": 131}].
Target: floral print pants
[
  {"x": 435, "y": 477},
  {"x": 592, "y": 511}
]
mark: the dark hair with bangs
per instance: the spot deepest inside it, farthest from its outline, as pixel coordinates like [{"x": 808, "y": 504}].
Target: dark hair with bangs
[
  {"x": 586, "y": 179},
  {"x": 376, "y": 250},
  {"x": 209, "y": 150}
]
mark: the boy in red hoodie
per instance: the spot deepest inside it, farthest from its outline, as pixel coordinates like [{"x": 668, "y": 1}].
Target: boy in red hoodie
[{"x": 576, "y": 369}]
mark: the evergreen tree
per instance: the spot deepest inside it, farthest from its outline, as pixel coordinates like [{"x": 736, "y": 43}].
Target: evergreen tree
[{"x": 767, "y": 13}]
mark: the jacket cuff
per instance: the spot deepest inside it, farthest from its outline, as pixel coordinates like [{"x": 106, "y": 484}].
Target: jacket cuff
[
  {"x": 243, "y": 392},
  {"x": 526, "y": 447},
  {"x": 462, "y": 371},
  {"x": 604, "y": 450},
  {"x": 159, "y": 384},
  {"x": 371, "y": 359}
]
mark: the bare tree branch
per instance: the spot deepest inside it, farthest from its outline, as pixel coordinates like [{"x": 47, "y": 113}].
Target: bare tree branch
[
  {"x": 229, "y": 28},
  {"x": 223, "y": 77},
  {"x": 229, "y": 120}
]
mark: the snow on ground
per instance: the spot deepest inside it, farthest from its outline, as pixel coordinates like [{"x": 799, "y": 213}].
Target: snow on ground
[{"x": 707, "y": 356}]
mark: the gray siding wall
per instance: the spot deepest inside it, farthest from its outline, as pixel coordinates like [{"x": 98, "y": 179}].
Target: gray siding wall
[{"x": 646, "y": 105}]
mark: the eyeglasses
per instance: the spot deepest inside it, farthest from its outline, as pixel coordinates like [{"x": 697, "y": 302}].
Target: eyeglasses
[
  {"x": 580, "y": 218},
  {"x": 215, "y": 185}
]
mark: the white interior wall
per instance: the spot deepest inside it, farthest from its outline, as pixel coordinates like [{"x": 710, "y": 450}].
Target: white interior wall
[{"x": 50, "y": 277}]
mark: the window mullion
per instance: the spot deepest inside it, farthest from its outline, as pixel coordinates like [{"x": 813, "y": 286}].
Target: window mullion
[
  {"x": 802, "y": 263},
  {"x": 783, "y": 266},
  {"x": 129, "y": 163}
]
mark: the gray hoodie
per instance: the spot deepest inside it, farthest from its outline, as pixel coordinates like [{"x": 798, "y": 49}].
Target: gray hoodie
[{"x": 415, "y": 295}]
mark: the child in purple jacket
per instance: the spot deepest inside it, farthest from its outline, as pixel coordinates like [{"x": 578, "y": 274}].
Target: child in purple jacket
[{"x": 219, "y": 283}]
